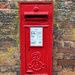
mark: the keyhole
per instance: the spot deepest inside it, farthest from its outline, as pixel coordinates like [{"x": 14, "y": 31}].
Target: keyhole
[{"x": 29, "y": 50}]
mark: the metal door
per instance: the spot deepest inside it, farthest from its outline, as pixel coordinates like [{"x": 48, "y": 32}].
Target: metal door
[{"x": 36, "y": 49}]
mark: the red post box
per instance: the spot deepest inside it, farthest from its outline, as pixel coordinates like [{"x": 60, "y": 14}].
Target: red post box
[{"x": 36, "y": 37}]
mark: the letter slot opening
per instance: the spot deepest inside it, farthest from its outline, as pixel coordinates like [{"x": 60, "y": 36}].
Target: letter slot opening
[{"x": 36, "y": 17}]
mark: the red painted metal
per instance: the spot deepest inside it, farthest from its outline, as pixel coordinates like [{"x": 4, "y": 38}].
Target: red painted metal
[{"x": 36, "y": 60}]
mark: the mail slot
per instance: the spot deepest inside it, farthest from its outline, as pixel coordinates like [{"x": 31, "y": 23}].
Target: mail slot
[
  {"x": 36, "y": 17},
  {"x": 36, "y": 37}
]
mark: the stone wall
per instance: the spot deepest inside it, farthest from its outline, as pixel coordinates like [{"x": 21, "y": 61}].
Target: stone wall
[{"x": 63, "y": 35}]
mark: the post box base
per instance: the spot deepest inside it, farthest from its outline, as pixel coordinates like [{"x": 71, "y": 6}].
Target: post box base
[{"x": 36, "y": 74}]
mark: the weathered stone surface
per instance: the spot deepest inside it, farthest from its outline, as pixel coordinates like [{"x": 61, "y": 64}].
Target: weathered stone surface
[
  {"x": 4, "y": 69},
  {"x": 69, "y": 44},
  {"x": 67, "y": 62},
  {"x": 9, "y": 12},
  {"x": 4, "y": 5},
  {"x": 14, "y": 5},
  {"x": 57, "y": 68},
  {"x": 55, "y": 62},
  {"x": 8, "y": 73},
  {"x": 66, "y": 73},
  {"x": 58, "y": 56},
  {"x": 66, "y": 50},
  {"x": 63, "y": 35},
  {"x": 67, "y": 68}
]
